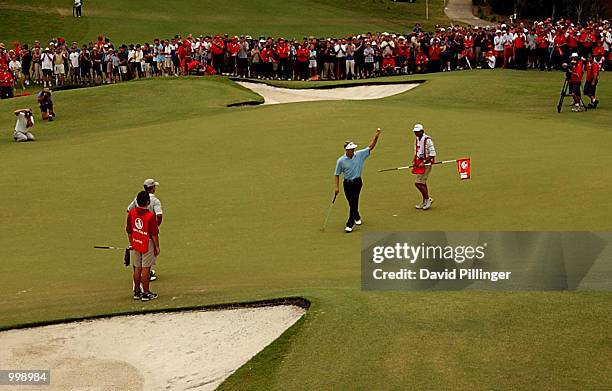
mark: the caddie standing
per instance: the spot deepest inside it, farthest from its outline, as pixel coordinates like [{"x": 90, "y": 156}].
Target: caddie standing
[
  {"x": 350, "y": 165},
  {"x": 424, "y": 157},
  {"x": 154, "y": 206},
  {"x": 143, "y": 234}
]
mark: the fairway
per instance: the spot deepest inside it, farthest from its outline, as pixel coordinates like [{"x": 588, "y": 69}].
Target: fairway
[
  {"x": 246, "y": 189},
  {"x": 128, "y": 21}
]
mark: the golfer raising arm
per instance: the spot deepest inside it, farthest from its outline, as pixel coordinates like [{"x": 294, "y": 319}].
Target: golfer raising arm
[{"x": 350, "y": 165}]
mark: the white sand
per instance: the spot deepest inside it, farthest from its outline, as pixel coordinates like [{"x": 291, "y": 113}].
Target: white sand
[
  {"x": 167, "y": 351},
  {"x": 276, "y": 95}
]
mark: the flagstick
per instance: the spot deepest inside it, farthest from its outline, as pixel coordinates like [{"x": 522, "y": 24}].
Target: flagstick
[{"x": 427, "y": 164}]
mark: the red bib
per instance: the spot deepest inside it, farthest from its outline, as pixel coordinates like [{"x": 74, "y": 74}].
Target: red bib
[
  {"x": 139, "y": 239},
  {"x": 418, "y": 168}
]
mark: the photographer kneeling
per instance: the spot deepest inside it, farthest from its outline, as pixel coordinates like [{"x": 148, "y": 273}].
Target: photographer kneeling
[
  {"x": 24, "y": 122},
  {"x": 46, "y": 104}
]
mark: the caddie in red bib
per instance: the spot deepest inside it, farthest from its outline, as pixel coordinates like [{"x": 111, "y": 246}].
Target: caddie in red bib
[
  {"x": 143, "y": 234},
  {"x": 424, "y": 157}
]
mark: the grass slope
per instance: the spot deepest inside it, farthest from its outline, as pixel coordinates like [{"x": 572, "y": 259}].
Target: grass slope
[
  {"x": 245, "y": 192},
  {"x": 128, "y": 21}
]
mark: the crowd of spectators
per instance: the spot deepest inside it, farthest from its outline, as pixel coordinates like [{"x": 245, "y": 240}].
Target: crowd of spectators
[{"x": 543, "y": 45}]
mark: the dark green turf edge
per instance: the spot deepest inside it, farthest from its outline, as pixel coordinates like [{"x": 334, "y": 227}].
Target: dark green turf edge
[{"x": 296, "y": 301}]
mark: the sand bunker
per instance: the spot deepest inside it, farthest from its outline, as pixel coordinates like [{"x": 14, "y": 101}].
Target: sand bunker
[
  {"x": 166, "y": 351},
  {"x": 276, "y": 95}
]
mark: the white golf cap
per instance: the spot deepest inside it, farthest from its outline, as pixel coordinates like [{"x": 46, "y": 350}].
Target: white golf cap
[
  {"x": 350, "y": 145},
  {"x": 418, "y": 128},
  {"x": 150, "y": 182}
]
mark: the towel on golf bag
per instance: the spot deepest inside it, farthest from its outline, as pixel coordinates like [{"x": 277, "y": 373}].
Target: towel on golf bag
[{"x": 418, "y": 167}]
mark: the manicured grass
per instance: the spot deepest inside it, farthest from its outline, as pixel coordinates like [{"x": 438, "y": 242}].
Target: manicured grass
[
  {"x": 128, "y": 21},
  {"x": 245, "y": 191}
]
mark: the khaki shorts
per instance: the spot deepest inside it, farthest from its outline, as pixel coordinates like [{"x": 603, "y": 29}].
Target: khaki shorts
[
  {"x": 144, "y": 260},
  {"x": 422, "y": 178},
  {"x": 58, "y": 69}
]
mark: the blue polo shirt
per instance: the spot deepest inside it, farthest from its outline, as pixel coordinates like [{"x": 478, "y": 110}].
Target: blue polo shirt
[{"x": 351, "y": 167}]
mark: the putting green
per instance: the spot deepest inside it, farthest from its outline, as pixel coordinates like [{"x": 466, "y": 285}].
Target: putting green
[{"x": 245, "y": 191}]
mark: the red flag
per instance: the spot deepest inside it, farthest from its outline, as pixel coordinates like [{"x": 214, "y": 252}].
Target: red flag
[{"x": 463, "y": 166}]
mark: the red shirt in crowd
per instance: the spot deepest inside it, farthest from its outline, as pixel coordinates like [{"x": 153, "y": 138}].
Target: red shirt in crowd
[
  {"x": 420, "y": 58},
  {"x": 282, "y": 50},
  {"x": 218, "y": 46},
  {"x": 572, "y": 41},
  {"x": 233, "y": 48},
  {"x": 598, "y": 51},
  {"x": 519, "y": 41},
  {"x": 541, "y": 42},
  {"x": 560, "y": 40},
  {"x": 468, "y": 42},
  {"x": 6, "y": 77},
  {"x": 265, "y": 55},
  {"x": 587, "y": 39},
  {"x": 403, "y": 51},
  {"x": 434, "y": 52},
  {"x": 303, "y": 54}
]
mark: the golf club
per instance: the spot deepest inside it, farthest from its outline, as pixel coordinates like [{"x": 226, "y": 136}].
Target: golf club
[
  {"x": 112, "y": 248},
  {"x": 328, "y": 213},
  {"x": 126, "y": 253},
  {"x": 407, "y": 167}
]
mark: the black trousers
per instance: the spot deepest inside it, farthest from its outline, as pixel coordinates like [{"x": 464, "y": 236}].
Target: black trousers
[
  {"x": 351, "y": 192},
  {"x": 543, "y": 59}
]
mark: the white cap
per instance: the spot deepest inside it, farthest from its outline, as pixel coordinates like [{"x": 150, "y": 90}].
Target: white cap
[
  {"x": 497, "y": 31},
  {"x": 350, "y": 145},
  {"x": 574, "y": 55},
  {"x": 417, "y": 128},
  {"x": 150, "y": 182}
]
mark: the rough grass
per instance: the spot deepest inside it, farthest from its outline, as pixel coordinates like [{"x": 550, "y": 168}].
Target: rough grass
[{"x": 27, "y": 20}]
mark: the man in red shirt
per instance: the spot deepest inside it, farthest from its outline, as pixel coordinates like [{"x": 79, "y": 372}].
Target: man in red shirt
[
  {"x": 267, "y": 59},
  {"x": 218, "y": 54},
  {"x": 575, "y": 70},
  {"x": 560, "y": 50},
  {"x": 282, "y": 54},
  {"x": 434, "y": 56},
  {"x": 303, "y": 59},
  {"x": 520, "y": 57},
  {"x": 143, "y": 234},
  {"x": 592, "y": 77},
  {"x": 233, "y": 47},
  {"x": 542, "y": 50}
]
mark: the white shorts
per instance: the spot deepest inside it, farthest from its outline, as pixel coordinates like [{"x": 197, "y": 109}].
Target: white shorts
[
  {"x": 18, "y": 136},
  {"x": 58, "y": 69},
  {"x": 312, "y": 64}
]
